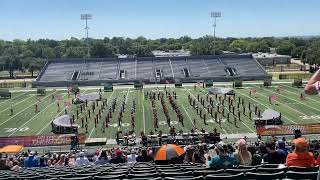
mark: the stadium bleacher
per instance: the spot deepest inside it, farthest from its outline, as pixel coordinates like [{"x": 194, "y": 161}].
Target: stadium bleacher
[{"x": 188, "y": 69}]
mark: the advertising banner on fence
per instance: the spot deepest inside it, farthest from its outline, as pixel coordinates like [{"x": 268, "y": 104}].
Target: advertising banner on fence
[
  {"x": 270, "y": 130},
  {"x": 46, "y": 140}
]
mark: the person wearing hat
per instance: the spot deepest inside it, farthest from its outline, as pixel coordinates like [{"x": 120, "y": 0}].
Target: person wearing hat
[
  {"x": 82, "y": 160},
  {"x": 242, "y": 155},
  {"x": 300, "y": 156},
  {"x": 222, "y": 160},
  {"x": 118, "y": 159},
  {"x": 31, "y": 160}
]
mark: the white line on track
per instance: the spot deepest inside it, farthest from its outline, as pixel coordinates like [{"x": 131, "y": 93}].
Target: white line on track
[
  {"x": 33, "y": 117},
  {"x": 23, "y": 110}
]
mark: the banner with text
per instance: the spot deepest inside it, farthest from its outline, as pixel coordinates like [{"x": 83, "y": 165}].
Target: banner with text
[
  {"x": 46, "y": 140},
  {"x": 270, "y": 130}
]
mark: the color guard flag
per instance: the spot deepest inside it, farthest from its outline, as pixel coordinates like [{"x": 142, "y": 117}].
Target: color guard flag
[
  {"x": 167, "y": 82},
  {"x": 253, "y": 90},
  {"x": 78, "y": 95},
  {"x": 58, "y": 97},
  {"x": 274, "y": 97},
  {"x": 69, "y": 88}
]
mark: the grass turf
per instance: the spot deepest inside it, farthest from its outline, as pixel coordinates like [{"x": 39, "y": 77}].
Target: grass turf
[{"x": 25, "y": 121}]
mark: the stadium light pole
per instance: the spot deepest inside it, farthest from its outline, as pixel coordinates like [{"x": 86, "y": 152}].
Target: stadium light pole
[
  {"x": 87, "y": 17},
  {"x": 215, "y": 15}
]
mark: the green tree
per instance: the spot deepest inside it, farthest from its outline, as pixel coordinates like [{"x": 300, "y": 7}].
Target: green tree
[{"x": 285, "y": 47}]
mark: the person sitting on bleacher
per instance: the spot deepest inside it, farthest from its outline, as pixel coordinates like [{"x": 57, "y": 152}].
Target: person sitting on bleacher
[
  {"x": 222, "y": 160},
  {"x": 82, "y": 160},
  {"x": 242, "y": 155},
  {"x": 102, "y": 159},
  {"x": 144, "y": 157},
  {"x": 118, "y": 159},
  {"x": 32, "y": 160},
  {"x": 300, "y": 156},
  {"x": 274, "y": 156}
]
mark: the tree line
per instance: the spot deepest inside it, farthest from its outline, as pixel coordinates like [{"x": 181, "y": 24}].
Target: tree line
[{"x": 30, "y": 55}]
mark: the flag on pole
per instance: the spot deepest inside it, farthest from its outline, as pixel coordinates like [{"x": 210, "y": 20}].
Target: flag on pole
[
  {"x": 198, "y": 83},
  {"x": 167, "y": 82},
  {"x": 274, "y": 97},
  {"x": 253, "y": 90},
  {"x": 78, "y": 95},
  {"x": 69, "y": 88}
]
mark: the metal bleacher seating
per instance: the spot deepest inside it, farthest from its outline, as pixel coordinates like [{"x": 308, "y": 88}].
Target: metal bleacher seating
[
  {"x": 145, "y": 171},
  {"x": 132, "y": 69}
]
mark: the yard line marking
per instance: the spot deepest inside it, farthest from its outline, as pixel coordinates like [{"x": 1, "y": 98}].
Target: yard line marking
[
  {"x": 13, "y": 98},
  {"x": 143, "y": 115},
  {"x": 205, "y": 109},
  {"x": 264, "y": 105},
  {"x": 295, "y": 100},
  {"x": 33, "y": 117},
  {"x": 23, "y": 110},
  {"x": 127, "y": 96},
  {"x": 107, "y": 103},
  {"x": 16, "y": 104},
  {"x": 229, "y": 111},
  {"x": 52, "y": 120}
]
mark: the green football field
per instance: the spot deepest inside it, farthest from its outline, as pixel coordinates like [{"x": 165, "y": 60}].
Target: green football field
[{"x": 25, "y": 121}]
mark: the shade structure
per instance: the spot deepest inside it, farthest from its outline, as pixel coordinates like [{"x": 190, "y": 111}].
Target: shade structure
[
  {"x": 11, "y": 149},
  {"x": 168, "y": 151}
]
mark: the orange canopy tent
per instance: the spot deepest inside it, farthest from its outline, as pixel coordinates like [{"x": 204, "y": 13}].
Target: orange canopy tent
[
  {"x": 168, "y": 151},
  {"x": 11, "y": 149}
]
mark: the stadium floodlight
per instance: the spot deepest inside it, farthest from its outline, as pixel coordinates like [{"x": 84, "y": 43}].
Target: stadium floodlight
[
  {"x": 87, "y": 17},
  {"x": 215, "y": 15}
]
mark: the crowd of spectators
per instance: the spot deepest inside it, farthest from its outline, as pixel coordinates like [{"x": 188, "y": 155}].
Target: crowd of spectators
[{"x": 216, "y": 156}]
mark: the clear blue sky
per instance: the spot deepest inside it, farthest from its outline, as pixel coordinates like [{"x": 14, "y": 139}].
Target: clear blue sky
[{"x": 60, "y": 19}]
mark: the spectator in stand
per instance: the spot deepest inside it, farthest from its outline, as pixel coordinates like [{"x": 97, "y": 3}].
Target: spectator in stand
[
  {"x": 282, "y": 147},
  {"x": 256, "y": 157},
  {"x": 102, "y": 159},
  {"x": 274, "y": 156},
  {"x": 62, "y": 160},
  {"x": 242, "y": 155},
  {"x": 313, "y": 86},
  {"x": 118, "y": 159},
  {"x": 189, "y": 153},
  {"x": 144, "y": 157},
  {"x": 82, "y": 160},
  {"x": 222, "y": 160},
  {"x": 32, "y": 160},
  {"x": 4, "y": 165},
  {"x": 43, "y": 162},
  {"x": 132, "y": 157},
  {"x": 300, "y": 156}
]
